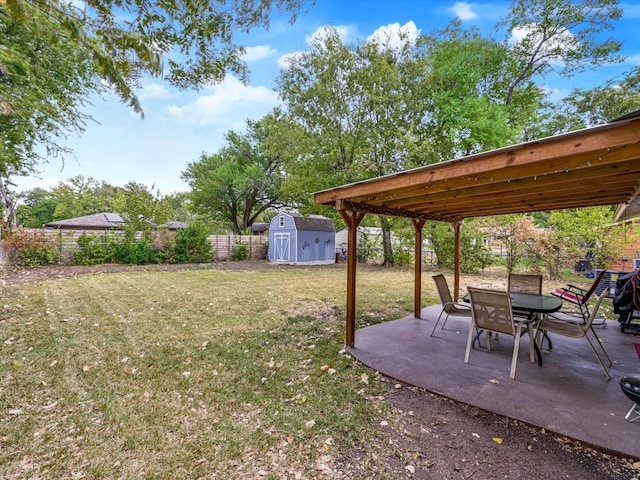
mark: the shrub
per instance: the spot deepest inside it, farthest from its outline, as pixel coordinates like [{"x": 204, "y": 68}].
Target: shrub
[
  {"x": 93, "y": 250},
  {"x": 32, "y": 248},
  {"x": 240, "y": 252},
  {"x": 192, "y": 245},
  {"x": 135, "y": 251}
]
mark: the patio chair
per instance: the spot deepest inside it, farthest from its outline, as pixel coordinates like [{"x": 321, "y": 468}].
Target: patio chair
[
  {"x": 577, "y": 329},
  {"x": 491, "y": 312},
  {"x": 449, "y": 307},
  {"x": 579, "y": 298},
  {"x": 519, "y": 283}
]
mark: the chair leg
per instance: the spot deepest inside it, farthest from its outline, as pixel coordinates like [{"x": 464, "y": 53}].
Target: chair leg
[
  {"x": 601, "y": 346},
  {"x": 472, "y": 329},
  {"x": 598, "y": 357},
  {"x": 516, "y": 350},
  {"x": 438, "y": 321}
]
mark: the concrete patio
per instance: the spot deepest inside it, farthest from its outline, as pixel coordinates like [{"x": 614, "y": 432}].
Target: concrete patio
[{"x": 568, "y": 395}]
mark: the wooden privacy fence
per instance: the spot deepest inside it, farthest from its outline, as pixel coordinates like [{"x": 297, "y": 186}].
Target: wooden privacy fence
[{"x": 223, "y": 245}]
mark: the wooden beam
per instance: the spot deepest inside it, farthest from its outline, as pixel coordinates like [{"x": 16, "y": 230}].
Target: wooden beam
[
  {"x": 417, "y": 290},
  {"x": 352, "y": 219},
  {"x": 457, "y": 227}
]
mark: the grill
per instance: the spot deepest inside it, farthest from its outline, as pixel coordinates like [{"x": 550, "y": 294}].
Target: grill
[{"x": 630, "y": 385}]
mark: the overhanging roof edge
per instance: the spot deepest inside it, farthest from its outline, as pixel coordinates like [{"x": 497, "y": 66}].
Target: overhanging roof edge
[{"x": 628, "y": 119}]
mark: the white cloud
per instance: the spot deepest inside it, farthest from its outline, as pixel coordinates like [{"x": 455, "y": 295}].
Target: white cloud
[
  {"x": 633, "y": 59},
  {"x": 316, "y": 38},
  {"x": 285, "y": 61},
  {"x": 154, "y": 91},
  {"x": 562, "y": 42},
  {"x": 463, "y": 11},
  {"x": 258, "y": 53},
  {"x": 229, "y": 102},
  {"x": 322, "y": 32},
  {"x": 394, "y": 36}
]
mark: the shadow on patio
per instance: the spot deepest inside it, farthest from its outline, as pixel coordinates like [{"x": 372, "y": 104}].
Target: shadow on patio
[{"x": 569, "y": 395}]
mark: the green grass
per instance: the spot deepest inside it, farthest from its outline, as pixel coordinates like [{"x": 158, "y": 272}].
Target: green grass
[{"x": 192, "y": 374}]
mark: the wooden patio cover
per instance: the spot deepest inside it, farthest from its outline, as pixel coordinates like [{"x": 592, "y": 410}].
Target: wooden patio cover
[{"x": 590, "y": 167}]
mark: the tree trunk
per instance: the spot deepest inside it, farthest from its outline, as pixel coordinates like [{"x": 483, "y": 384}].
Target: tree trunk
[
  {"x": 387, "y": 248},
  {"x": 8, "y": 207}
]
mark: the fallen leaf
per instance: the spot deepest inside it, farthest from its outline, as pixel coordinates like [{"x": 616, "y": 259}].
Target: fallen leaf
[
  {"x": 86, "y": 368},
  {"x": 498, "y": 440},
  {"x": 310, "y": 424}
]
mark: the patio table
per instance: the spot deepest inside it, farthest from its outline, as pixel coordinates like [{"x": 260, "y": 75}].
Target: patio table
[{"x": 531, "y": 304}]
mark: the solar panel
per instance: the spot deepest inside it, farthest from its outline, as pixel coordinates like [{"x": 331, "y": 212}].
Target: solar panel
[{"x": 113, "y": 218}]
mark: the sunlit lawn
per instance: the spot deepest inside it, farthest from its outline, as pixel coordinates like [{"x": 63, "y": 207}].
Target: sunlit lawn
[{"x": 193, "y": 374}]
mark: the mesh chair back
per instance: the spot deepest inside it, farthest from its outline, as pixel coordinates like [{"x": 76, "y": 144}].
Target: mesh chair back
[
  {"x": 519, "y": 283},
  {"x": 443, "y": 289},
  {"x": 491, "y": 310}
]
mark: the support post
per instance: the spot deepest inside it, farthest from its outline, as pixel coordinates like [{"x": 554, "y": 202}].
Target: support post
[
  {"x": 418, "y": 224},
  {"x": 457, "y": 227},
  {"x": 352, "y": 220}
]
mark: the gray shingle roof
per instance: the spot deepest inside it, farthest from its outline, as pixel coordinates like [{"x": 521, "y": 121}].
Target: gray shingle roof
[
  {"x": 316, "y": 223},
  {"x": 97, "y": 221}
]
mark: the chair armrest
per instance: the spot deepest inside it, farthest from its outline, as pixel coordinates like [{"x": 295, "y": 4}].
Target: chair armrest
[{"x": 575, "y": 287}]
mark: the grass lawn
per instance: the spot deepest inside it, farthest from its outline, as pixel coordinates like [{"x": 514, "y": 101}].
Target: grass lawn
[{"x": 191, "y": 374}]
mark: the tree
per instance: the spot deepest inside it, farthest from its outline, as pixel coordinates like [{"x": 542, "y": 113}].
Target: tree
[
  {"x": 589, "y": 232},
  {"x": 141, "y": 208},
  {"x": 355, "y": 110},
  {"x": 79, "y": 196},
  {"x": 468, "y": 79},
  {"x": 558, "y": 36},
  {"x": 126, "y": 40},
  {"x": 36, "y": 208},
  {"x": 54, "y": 54},
  {"x": 241, "y": 181}
]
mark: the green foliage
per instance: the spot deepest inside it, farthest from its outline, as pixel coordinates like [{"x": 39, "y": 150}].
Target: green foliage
[
  {"x": 475, "y": 256},
  {"x": 192, "y": 245},
  {"x": 32, "y": 248},
  {"x": 36, "y": 208},
  {"x": 134, "y": 251},
  {"x": 240, "y": 182},
  {"x": 93, "y": 250},
  {"x": 587, "y": 232},
  {"x": 44, "y": 82},
  {"x": 142, "y": 209},
  {"x": 240, "y": 252},
  {"x": 368, "y": 247}
]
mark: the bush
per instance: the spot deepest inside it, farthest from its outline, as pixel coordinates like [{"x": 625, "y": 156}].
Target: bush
[
  {"x": 135, "y": 251},
  {"x": 93, "y": 250},
  {"x": 192, "y": 245},
  {"x": 32, "y": 248},
  {"x": 240, "y": 252}
]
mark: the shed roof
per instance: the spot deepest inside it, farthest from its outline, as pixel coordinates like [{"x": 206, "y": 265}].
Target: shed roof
[
  {"x": 97, "y": 221},
  {"x": 590, "y": 167},
  {"x": 316, "y": 223}
]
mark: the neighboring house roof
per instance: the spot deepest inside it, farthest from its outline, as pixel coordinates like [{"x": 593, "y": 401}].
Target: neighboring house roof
[
  {"x": 313, "y": 222},
  {"x": 97, "y": 221},
  {"x": 175, "y": 225},
  {"x": 103, "y": 221},
  {"x": 259, "y": 227}
]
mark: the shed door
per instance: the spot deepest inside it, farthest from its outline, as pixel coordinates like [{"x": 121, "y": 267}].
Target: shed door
[{"x": 283, "y": 246}]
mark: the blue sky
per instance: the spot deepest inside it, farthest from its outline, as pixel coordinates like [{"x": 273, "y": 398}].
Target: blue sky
[{"x": 179, "y": 125}]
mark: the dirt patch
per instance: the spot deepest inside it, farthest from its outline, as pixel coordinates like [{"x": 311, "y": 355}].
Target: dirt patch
[{"x": 429, "y": 436}]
